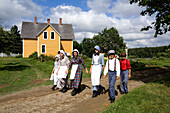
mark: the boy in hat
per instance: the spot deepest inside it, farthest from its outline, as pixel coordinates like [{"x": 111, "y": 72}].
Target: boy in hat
[
  {"x": 125, "y": 73},
  {"x": 113, "y": 69},
  {"x": 96, "y": 70}
]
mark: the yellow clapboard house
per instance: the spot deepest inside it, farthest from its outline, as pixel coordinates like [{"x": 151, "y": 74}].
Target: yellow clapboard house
[{"x": 46, "y": 38}]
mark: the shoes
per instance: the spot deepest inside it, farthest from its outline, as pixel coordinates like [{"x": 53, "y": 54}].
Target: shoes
[
  {"x": 126, "y": 92},
  {"x": 112, "y": 100},
  {"x": 64, "y": 90},
  {"x": 102, "y": 90},
  {"x": 94, "y": 94},
  {"x": 74, "y": 92},
  {"x": 121, "y": 92},
  {"x": 53, "y": 88}
]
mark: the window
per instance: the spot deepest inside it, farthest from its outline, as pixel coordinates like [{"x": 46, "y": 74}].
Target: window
[
  {"x": 45, "y": 35},
  {"x": 43, "y": 48},
  {"x": 52, "y": 35}
]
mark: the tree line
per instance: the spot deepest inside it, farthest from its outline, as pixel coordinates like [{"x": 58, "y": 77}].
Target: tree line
[
  {"x": 150, "y": 52},
  {"x": 10, "y": 41}
]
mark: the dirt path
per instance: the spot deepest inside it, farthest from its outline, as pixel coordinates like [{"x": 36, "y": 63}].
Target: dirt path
[{"x": 43, "y": 99}]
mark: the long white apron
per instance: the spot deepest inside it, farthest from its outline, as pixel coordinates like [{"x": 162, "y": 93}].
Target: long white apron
[
  {"x": 55, "y": 77},
  {"x": 73, "y": 71},
  {"x": 95, "y": 74},
  {"x": 62, "y": 72}
]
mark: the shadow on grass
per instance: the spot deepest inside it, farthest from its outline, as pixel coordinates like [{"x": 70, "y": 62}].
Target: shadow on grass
[
  {"x": 164, "y": 80},
  {"x": 149, "y": 74},
  {"x": 14, "y": 68}
]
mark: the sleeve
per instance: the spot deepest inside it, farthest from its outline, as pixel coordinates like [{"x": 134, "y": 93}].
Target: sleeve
[
  {"x": 106, "y": 68},
  {"x": 128, "y": 64},
  {"x": 67, "y": 60},
  {"x": 70, "y": 64},
  {"x": 118, "y": 68},
  {"x": 92, "y": 62},
  {"x": 102, "y": 58},
  {"x": 82, "y": 62}
]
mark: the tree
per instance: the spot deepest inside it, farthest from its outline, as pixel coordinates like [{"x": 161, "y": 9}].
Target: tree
[
  {"x": 16, "y": 40},
  {"x": 108, "y": 39},
  {"x": 10, "y": 41},
  {"x": 88, "y": 47},
  {"x": 160, "y": 8},
  {"x": 76, "y": 45}
]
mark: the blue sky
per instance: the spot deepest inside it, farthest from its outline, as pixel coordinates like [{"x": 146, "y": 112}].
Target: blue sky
[{"x": 88, "y": 17}]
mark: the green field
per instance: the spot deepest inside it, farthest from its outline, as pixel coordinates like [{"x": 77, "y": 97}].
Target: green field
[{"x": 151, "y": 98}]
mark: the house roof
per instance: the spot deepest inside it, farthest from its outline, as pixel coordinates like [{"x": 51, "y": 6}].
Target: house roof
[{"x": 32, "y": 30}]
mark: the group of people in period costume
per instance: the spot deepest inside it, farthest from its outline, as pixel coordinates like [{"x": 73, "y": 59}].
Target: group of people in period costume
[{"x": 116, "y": 69}]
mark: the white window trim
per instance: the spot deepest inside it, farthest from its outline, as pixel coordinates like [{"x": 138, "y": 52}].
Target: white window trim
[
  {"x": 47, "y": 35},
  {"x": 54, "y": 35},
  {"x": 41, "y": 48}
]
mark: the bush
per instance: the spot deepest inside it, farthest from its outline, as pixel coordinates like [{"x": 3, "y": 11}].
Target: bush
[
  {"x": 154, "y": 58},
  {"x": 135, "y": 64},
  {"x": 161, "y": 58},
  {"x": 19, "y": 56},
  {"x": 46, "y": 58},
  {"x": 34, "y": 55}
]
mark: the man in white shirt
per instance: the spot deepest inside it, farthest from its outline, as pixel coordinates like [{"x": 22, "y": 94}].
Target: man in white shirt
[{"x": 113, "y": 69}]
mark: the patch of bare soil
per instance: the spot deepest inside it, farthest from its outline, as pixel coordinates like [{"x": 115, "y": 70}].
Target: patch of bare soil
[{"x": 43, "y": 99}]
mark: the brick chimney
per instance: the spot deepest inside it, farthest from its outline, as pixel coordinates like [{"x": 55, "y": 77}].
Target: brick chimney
[
  {"x": 48, "y": 21},
  {"x": 60, "y": 21},
  {"x": 35, "y": 20}
]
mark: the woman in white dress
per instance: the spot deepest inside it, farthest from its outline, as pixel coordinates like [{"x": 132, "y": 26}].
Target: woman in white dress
[
  {"x": 62, "y": 73},
  {"x": 96, "y": 70},
  {"x": 54, "y": 73}
]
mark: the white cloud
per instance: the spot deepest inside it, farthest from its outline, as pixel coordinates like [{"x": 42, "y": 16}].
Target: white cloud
[
  {"x": 123, "y": 8},
  {"x": 79, "y": 35},
  {"x": 13, "y": 11},
  {"x": 99, "y": 6},
  {"x": 82, "y": 21}
]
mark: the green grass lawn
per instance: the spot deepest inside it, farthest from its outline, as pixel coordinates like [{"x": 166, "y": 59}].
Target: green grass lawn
[
  {"x": 151, "y": 98},
  {"x": 18, "y": 74}
]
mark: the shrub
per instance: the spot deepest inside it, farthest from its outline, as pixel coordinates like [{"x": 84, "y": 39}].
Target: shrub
[
  {"x": 161, "y": 58},
  {"x": 46, "y": 58},
  {"x": 34, "y": 55},
  {"x": 18, "y": 56}
]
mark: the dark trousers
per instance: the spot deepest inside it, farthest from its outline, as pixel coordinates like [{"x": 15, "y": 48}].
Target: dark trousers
[{"x": 112, "y": 81}]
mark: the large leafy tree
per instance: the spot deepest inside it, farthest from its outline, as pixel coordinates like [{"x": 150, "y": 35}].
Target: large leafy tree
[
  {"x": 107, "y": 39},
  {"x": 161, "y": 10},
  {"x": 110, "y": 39},
  {"x": 76, "y": 45},
  {"x": 87, "y": 46}
]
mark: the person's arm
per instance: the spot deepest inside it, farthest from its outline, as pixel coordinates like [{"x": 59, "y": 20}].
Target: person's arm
[
  {"x": 130, "y": 73},
  {"x": 117, "y": 69},
  {"x": 106, "y": 69},
  {"x": 84, "y": 65},
  {"x": 129, "y": 67},
  {"x": 53, "y": 70},
  {"x": 92, "y": 62},
  {"x": 91, "y": 68}
]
